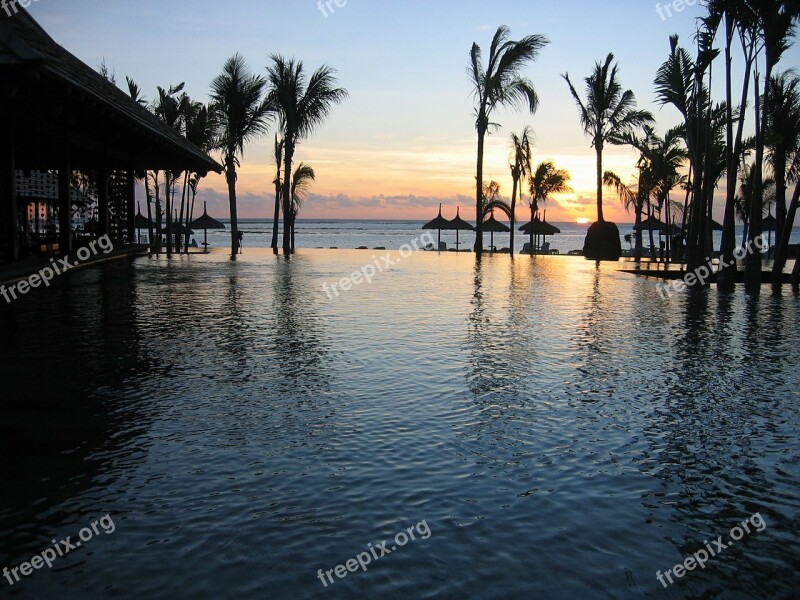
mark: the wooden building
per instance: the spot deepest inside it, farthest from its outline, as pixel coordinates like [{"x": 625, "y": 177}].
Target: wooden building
[{"x": 58, "y": 114}]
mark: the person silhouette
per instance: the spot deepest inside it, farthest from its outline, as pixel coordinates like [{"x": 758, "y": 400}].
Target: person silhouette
[{"x": 241, "y": 235}]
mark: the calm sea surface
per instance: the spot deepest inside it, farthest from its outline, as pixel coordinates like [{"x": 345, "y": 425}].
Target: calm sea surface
[
  {"x": 560, "y": 429},
  {"x": 394, "y": 234}
]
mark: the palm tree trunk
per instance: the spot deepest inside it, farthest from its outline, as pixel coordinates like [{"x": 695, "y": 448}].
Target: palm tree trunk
[
  {"x": 180, "y": 218},
  {"x": 149, "y": 196},
  {"x": 782, "y": 252},
  {"x": 513, "y": 209},
  {"x": 599, "y": 151},
  {"x": 277, "y": 214},
  {"x": 637, "y": 252},
  {"x": 287, "y": 198},
  {"x": 531, "y": 240},
  {"x": 168, "y": 200},
  {"x": 230, "y": 176},
  {"x": 159, "y": 221},
  {"x": 479, "y": 192},
  {"x": 780, "y": 193},
  {"x": 190, "y": 218},
  {"x": 753, "y": 262}
]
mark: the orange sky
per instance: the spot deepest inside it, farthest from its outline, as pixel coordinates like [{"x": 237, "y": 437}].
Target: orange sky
[{"x": 410, "y": 184}]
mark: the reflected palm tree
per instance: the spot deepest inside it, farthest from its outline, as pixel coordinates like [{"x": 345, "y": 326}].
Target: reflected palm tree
[{"x": 298, "y": 336}]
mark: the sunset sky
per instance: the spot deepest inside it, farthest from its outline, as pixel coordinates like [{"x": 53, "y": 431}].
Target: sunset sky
[{"x": 405, "y": 140}]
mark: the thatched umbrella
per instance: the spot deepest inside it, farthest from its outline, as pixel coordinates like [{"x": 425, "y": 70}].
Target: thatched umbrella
[
  {"x": 652, "y": 223},
  {"x": 205, "y": 223},
  {"x": 769, "y": 224},
  {"x": 141, "y": 222},
  {"x": 458, "y": 224},
  {"x": 537, "y": 227},
  {"x": 491, "y": 225},
  {"x": 438, "y": 223}
]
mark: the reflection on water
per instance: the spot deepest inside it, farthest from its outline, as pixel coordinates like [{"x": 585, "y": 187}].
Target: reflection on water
[{"x": 563, "y": 430}]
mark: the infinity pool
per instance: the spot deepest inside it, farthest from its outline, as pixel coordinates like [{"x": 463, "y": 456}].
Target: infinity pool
[{"x": 560, "y": 429}]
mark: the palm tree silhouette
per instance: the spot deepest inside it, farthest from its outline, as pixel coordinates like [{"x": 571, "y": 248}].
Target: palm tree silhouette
[
  {"x": 783, "y": 139},
  {"x": 520, "y": 170},
  {"x": 609, "y": 112},
  {"x": 277, "y": 213},
  {"x": 241, "y": 115},
  {"x": 500, "y": 83},
  {"x": 545, "y": 181},
  {"x": 302, "y": 179},
  {"x": 200, "y": 129},
  {"x": 302, "y": 104}
]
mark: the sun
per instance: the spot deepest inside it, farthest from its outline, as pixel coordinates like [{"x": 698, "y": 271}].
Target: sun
[{"x": 582, "y": 221}]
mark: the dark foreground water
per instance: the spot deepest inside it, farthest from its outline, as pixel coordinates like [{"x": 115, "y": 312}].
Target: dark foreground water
[{"x": 543, "y": 428}]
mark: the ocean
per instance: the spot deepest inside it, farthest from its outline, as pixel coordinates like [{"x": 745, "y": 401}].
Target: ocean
[{"x": 351, "y": 234}]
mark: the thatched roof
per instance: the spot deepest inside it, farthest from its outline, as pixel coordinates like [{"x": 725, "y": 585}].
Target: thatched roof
[{"x": 50, "y": 96}]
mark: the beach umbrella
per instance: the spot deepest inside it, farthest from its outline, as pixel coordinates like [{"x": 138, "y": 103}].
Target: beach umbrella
[
  {"x": 205, "y": 223},
  {"x": 715, "y": 226},
  {"x": 652, "y": 223},
  {"x": 178, "y": 229},
  {"x": 458, "y": 224},
  {"x": 537, "y": 227},
  {"x": 492, "y": 225},
  {"x": 141, "y": 222},
  {"x": 438, "y": 223}
]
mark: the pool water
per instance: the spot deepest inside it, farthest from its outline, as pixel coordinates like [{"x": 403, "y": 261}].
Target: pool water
[{"x": 562, "y": 430}]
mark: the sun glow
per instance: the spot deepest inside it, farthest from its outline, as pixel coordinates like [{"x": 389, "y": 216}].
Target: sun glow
[{"x": 582, "y": 221}]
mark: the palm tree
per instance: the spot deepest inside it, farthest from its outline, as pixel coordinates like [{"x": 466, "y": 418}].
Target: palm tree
[
  {"x": 633, "y": 198},
  {"x": 135, "y": 92},
  {"x": 659, "y": 164},
  {"x": 545, "y": 181},
  {"x": 200, "y": 130},
  {"x": 171, "y": 109},
  {"x": 739, "y": 17},
  {"x": 777, "y": 20},
  {"x": 302, "y": 179},
  {"x": 303, "y": 103},
  {"x": 277, "y": 182},
  {"x": 608, "y": 113},
  {"x": 783, "y": 140},
  {"x": 520, "y": 170},
  {"x": 782, "y": 132},
  {"x": 500, "y": 83},
  {"x": 242, "y": 115}
]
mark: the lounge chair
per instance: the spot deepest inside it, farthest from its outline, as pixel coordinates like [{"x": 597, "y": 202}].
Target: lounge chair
[
  {"x": 442, "y": 246},
  {"x": 526, "y": 248}
]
